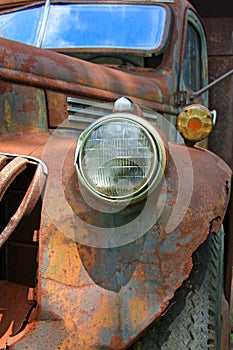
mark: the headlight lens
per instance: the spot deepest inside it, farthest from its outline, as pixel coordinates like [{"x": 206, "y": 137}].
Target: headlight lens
[{"x": 118, "y": 158}]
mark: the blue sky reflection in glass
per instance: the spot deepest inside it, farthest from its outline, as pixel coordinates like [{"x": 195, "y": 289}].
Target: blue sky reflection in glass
[
  {"x": 105, "y": 26},
  {"x": 21, "y": 25}
]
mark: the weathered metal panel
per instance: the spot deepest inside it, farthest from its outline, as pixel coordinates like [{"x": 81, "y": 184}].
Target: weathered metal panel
[
  {"x": 57, "y": 108},
  {"x": 90, "y": 296},
  {"x": 12, "y": 296},
  {"x": 115, "y": 293},
  {"x": 22, "y": 109},
  {"x": 29, "y": 60},
  {"x": 5, "y": 4}
]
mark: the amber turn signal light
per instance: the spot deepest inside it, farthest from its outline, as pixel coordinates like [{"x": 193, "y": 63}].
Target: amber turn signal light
[{"x": 195, "y": 122}]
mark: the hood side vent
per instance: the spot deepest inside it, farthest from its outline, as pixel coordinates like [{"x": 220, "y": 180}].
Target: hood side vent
[{"x": 84, "y": 112}]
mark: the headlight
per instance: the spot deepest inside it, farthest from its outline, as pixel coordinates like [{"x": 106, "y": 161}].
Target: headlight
[{"x": 120, "y": 157}]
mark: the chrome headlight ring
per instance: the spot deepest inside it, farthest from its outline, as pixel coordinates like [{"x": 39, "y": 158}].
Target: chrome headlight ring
[{"x": 120, "y": 158}]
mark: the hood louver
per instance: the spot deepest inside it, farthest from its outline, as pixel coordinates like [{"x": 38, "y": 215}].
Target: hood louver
[{"x": 84, "y": 112}]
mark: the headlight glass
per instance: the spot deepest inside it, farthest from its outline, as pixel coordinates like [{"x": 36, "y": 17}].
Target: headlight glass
[{"x": 118, "y": 158}]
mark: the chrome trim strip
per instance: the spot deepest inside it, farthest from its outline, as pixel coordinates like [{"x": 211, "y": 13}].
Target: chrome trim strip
[
  {"x": 32, "y": 159},
  {"x": 89, "y": 103},
  {"x": 42, "y": 24},
  {"x": 77, "y": 118},
  {"x": 85, "y": 111}
]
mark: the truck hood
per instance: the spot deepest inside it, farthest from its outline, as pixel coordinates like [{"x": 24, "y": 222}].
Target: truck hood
[{"x": 40, "y": 66}]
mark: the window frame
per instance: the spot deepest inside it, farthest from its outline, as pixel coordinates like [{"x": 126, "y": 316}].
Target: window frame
[{"x": 196, "y": 24}]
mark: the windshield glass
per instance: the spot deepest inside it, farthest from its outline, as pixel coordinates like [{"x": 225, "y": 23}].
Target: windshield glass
[
  {"x": 105, "y": 26},
  {"x": 89, "y": 26},
  {"x": 21, "y": 25}
]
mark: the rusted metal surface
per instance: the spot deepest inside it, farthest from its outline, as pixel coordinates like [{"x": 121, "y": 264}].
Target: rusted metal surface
[
  {"x": 7, "y": 175},
  {"x": 72, "y": 82},
  {"x": 23, "y": 109},
  {"x": 8, "y": 4},
  {"x": 82, "y": 287},
  {"x": 24, "y": 144},
  {"x": 10, "y": 172},
  {"x": 90, "y": 296},
  {"x": 57, "y": 108},
  {"x": 14, "y": 309},
  {"x": 3, "y": 160},
  {"x": 56, "y": 67}
]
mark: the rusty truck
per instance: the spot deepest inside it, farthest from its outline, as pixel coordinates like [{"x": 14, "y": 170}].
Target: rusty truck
[{"x": 111, "y": 204}]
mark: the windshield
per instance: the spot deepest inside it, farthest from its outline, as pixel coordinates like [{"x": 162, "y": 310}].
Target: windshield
[
  {"x": 105, "y": 26},
  {"x": 21, "y": 25},
  {"x": 137, "y": 27}
]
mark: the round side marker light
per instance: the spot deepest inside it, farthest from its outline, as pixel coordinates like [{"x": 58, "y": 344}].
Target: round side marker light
[{"x": 195, "y": 123}]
